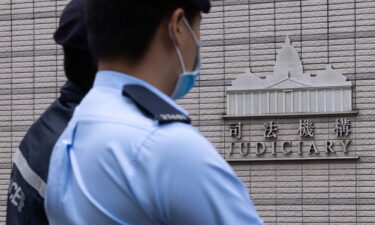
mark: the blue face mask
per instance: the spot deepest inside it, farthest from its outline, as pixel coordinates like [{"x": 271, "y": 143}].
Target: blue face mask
[{"x": 186, "y": 80}]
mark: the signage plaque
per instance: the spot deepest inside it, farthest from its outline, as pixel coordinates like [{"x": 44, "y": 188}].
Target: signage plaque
[{"x": 289, "y": 93}]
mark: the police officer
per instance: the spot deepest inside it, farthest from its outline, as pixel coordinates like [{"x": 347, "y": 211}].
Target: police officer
[
  {"x": 129, "y": 155},
  {"x": 26, "y": 192}
]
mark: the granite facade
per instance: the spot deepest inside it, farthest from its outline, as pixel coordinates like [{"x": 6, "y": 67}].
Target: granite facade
[{"x": 238, "y": 34}]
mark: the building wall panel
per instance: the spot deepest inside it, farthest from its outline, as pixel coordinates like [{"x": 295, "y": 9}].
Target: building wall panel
[{"x": 238, "y": 34}]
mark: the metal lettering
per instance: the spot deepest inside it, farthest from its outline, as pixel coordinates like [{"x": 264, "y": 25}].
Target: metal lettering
[
  {"x": 342, "y": 127},
  {"x": 313, "y": 148},
  {"x": 300, "y": 146},
  {"x": 284, "y": 145},
  {"x": 345, "y": 145},
  {"x": 273, "y": 148},
  {"x": 231, "y": 149},
  {"x": 329, "y": 147},
  {"x": 306, "y": 128},
  {"x": 247, "y": 151},
  {"x": 236, "y": 130},
  {"x": 263, "y": 150},
  {"x": 270, "y": 130}
]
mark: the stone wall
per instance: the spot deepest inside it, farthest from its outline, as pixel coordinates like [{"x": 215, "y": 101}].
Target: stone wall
[
  {"x": 247, "y": 34},
  {"x": 31, "y": 73},
  {"x": 237, "y": 35}
]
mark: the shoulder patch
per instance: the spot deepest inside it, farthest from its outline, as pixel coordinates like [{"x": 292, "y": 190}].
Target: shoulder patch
[{"x": 153, "y": 105}]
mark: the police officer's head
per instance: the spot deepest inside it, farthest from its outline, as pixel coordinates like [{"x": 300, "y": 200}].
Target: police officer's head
[
  {"x": 79, "y": 65},
  {"x": 132, "y": 30}
]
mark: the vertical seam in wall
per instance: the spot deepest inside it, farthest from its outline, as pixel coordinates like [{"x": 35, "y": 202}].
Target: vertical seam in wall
[
  {"x": 33, "y": 64},
  {"x": 301, "y": 41},
  {"x": 275, "y": 120},
  {"x": 249, "y": 46},
  {"x": 328, "y": 30},
  {"x": 329, "y": 163},
  {"x": 329, "y": 176},
  {"x": 249, "y": 121},
  {"x": 301, "y": 30},
  {"x": 11, "y": 82},
  {"x": 249, "y": 10},
  {"x": 355, "y": 107},
  {"x": 224, "y": 71},
  {"x": 56, "y": 58}
]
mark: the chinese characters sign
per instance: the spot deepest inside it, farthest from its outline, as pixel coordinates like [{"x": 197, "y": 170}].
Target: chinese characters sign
[
  {"x": 236, "y": 130},
  {"x": 342, "y": 127},
  {"x": 270, "y": 130},
  {"x": 306, "y": 128}
]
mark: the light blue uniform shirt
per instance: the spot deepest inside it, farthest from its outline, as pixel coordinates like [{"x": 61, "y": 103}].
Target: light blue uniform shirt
[{"x": 113, "y": 165}]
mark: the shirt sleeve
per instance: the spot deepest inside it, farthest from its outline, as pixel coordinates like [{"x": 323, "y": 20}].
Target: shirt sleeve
[{"x": 189, "y": 183}]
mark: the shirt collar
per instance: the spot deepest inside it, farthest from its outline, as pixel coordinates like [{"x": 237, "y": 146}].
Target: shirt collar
[{"x": 117, "y": 80}]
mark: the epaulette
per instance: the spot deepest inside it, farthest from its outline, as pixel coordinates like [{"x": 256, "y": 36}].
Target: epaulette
[{"x": 154, "y": 106}]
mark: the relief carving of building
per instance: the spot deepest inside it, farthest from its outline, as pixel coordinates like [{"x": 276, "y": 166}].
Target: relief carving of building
[{"x": 289, "y": 90}]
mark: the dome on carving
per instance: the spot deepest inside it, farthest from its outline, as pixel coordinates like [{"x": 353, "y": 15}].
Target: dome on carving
[
  {"x": 289, "y": 91},
  {"x": 288, "y": 63},
  {"x": 288, "y": 74},
  {"x": 247, "y": 80},
  {"x": 328, "y": 77}
]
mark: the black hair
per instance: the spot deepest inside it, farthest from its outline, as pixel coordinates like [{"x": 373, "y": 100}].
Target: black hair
[
  {"x": 80, "y": 67},
  {"x": 125, "y": 28}
]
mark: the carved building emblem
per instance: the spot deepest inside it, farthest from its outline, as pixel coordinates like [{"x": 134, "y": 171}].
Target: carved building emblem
[{"x": 289, "y": 90}]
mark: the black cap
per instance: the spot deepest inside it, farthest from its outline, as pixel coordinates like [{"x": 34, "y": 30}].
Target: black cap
[
  {"x": 202, "y": 5},
  {"x": 72, "y": 30}
]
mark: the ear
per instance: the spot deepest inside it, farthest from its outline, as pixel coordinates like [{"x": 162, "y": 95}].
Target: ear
[{"x": 177, "y": 26}]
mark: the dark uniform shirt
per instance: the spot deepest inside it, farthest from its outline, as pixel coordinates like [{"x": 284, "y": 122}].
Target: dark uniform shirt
[{"x": 31, "y": 160}]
